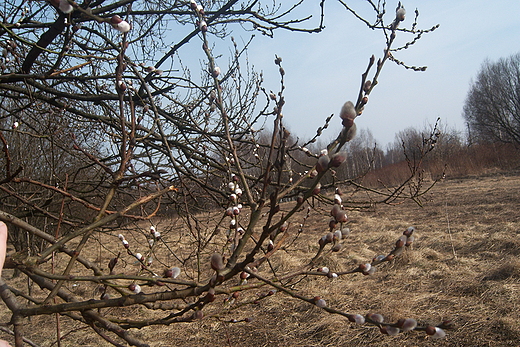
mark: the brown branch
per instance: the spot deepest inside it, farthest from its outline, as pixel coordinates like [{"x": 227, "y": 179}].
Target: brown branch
[{"x": 45, "y": 40}]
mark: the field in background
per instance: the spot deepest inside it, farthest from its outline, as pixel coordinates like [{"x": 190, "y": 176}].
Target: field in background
[{"x": 464, "y": 266}]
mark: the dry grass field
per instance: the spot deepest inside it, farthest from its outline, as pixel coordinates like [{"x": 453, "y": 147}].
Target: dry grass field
[{"x": 464, "y": 266}]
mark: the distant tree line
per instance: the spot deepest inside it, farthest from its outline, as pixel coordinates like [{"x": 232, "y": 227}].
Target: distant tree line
[{"x": 457, "y": 153}]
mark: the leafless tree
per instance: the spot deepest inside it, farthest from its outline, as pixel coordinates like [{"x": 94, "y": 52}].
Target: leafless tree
[
  {"x": 492, "y": 107},
  {"x": 105, "y": 126}
]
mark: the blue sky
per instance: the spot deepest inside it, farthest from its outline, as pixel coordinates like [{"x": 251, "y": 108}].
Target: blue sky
[{"x": 324, "y": 70}]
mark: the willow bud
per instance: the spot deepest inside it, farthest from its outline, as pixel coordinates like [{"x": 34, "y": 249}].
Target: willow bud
[
  {"x": 435, "y": 332},
  {"x": 409, "y": 231},
  {"x": 120, "y": 24},
  {"x": 400, "y": 242},
  {"x": 407, "y": 324},
  {"x": 348, "y": 111},
  {"x": 174, "y": 272},
  {"x": 351, "y": 132},
  {"x": 400, "y": 14},
  {"x": 323, "y": 269},
  {"x": 365, "y": 268},
  {"x": 338, "y": 159},
  {"x": 121, "y": 85},
  {"x": 317, "y": 189},
  {"x": 392, "y": 331},
  {"x": 341, "y": 217},
  {"x": 65, "y": 7},
  {"x": 203, "y": 26},
  {"x": 323, "y": 163},
  {"x": 367, "y": 86},
  {"x": 216, "y": 72},
  {"x": 335, "y": 210},
  {"x": 375, "y": 317},
  {"x": 197, "y": 315},
  {"x": 319, "y": 302},
  {"x": 211, "y": 295},
  {"x": 356, "y": 318},
  {"x": 217, "y": 262},
  {"x": 135, "y": 288}
]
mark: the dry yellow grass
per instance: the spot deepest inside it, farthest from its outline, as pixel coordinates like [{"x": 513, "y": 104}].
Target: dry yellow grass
[{"x": 464, "y": 266}]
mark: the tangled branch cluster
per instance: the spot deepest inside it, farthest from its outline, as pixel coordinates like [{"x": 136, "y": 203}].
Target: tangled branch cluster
[{"x": 99, "y": 144}]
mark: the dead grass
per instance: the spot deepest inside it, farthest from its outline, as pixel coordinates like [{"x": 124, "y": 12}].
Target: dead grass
[{"x": 463, "y": 266}]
